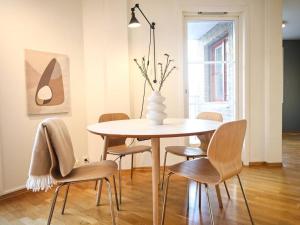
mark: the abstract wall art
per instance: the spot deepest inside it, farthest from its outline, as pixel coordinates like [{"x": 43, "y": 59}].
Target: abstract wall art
[{"x": 47, "y": 82}]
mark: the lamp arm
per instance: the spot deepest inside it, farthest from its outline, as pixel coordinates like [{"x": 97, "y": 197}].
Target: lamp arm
[{"x": 138, "y": 7}]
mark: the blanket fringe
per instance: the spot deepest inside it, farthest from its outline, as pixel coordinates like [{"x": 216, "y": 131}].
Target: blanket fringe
[{"x": 39, "y": 183}]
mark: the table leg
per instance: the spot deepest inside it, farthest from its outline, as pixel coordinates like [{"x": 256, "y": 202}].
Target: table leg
[
  {"x": 104, "y": 154},
  {"x": 155, "y": 142}
]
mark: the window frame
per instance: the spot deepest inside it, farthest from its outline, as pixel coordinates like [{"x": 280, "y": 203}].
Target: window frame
[{"x": 212, "y": 76}]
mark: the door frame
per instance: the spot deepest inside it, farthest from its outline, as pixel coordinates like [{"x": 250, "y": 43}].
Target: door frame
[{"x": 242, "y": 81}]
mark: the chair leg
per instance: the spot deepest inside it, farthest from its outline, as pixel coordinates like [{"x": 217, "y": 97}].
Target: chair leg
[
  {"x": 252, "y": 222},
  {"x": 53, "y": 203},
  {"x": 131, "y": 171},
  {"x": 110, "y": 201},
  {"x": 188, "y": 198},
  {"x": 120, "y": 180},
  {"x": 163, "y": 178},
  {"x": 188, "y": 194},
  {"x": 165, "y": 199},
  {"x": 219, "y": 196},
  {"x": 226, "y": 189},
  {"x": 209, "y": 205},
  {"x": 116, "y": 194},
  {"x": 96, "y": 183},
  {"x": 65, "y": 201},
  {"x": 199, "y": 196},
  {"x": 99, "y": 192}
]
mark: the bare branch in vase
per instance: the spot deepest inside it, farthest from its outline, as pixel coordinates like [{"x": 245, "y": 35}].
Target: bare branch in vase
[
  {"x": 164, "y": 72},
  {"x": 144, "y": 73}
]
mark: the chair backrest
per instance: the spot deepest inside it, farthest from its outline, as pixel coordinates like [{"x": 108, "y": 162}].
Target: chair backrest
[
  {"x": 114, "y": 141},
  {"x": 225, "y": 148},
  {"x": 205, "y": 138},
  {"x": 215, "y": 116},
  {"x": 60, "y": 147}
]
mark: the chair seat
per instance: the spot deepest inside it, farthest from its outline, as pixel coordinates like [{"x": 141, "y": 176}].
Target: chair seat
[
  {"x": 126, "y": 150},
  {"x": 91, "y": 171},
  {"x": 186, "y": 151},
  {"x": 200, "y": 170}
]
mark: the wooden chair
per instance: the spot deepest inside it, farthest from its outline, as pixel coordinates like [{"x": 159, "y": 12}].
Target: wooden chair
[
  {"x": 88, "y": 172},
  {"x": 223, "y": 162},
  {"x": 117, "y": 146},
  {"x": 196, "y": 152}
]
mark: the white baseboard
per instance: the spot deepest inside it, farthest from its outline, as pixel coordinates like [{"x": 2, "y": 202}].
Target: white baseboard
[{"x": 5, "y": 192}]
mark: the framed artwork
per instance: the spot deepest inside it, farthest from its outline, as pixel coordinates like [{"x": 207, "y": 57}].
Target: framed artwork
[{"x": 47, "y": 82}]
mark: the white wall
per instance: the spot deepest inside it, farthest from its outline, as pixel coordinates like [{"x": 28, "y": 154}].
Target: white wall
[
  {"x": 1, "y": 168},
  {"x": 1, "y": 161},
  {"x": 274, "y": 91},
  {"x": 261, "y": 64},
  {"x": 106, "y": 63},
  {"x": 54, "y": 26},
  {"x": 94, "y": 60}
]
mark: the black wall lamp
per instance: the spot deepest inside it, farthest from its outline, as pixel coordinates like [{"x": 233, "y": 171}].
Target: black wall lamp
[{"x": 135, "y": 23}]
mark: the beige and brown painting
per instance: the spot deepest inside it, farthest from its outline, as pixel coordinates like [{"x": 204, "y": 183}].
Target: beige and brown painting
[{"x": 47, "y": 82}]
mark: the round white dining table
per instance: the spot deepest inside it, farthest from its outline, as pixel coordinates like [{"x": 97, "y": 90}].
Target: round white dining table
[{"x": 142, "y": 128}]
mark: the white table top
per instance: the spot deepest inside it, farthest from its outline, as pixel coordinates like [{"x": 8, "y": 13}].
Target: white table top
[{"x": 143, "y": 128}]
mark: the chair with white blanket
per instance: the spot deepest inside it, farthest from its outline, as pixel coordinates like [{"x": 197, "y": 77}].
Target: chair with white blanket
[{"x": 53, "y": 163}]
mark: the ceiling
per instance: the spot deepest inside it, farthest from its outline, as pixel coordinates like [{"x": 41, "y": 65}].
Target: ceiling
[{"x": 291, "y": 15}]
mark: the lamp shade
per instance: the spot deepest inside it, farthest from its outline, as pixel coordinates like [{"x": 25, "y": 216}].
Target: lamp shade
[{"x": 133, "y": 21}]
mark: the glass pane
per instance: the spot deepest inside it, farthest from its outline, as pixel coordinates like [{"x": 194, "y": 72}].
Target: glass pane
[{"x": 211, "y": 68}]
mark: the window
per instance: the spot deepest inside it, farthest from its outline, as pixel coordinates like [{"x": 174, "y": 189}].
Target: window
[
  {"x": 218, "y": 72},
  {"x": 210, "y": 68}
]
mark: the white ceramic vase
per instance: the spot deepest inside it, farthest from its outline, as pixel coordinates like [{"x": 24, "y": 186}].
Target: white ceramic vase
[{"x": 155, "y": 108}]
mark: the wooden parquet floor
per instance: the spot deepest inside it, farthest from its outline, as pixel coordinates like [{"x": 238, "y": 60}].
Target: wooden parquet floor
[{"x": 273, "y": 194}]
